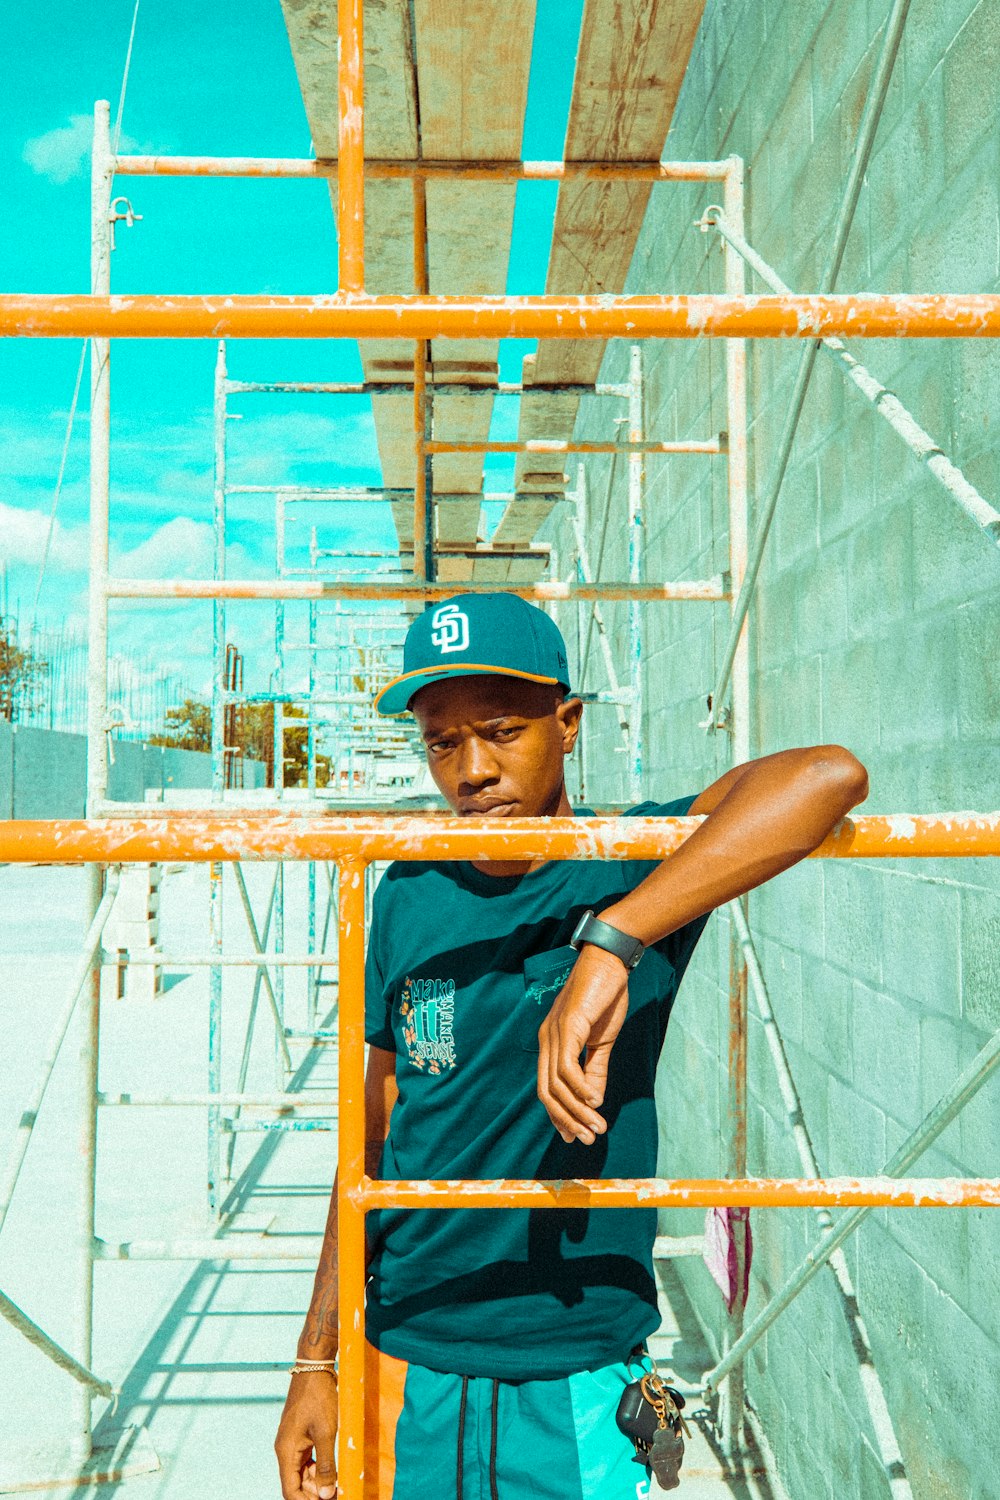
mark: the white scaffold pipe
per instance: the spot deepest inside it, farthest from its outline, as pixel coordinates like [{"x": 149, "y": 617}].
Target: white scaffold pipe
[
  {"x": 878, "y": 1407},
  {"x": 886, "y": 402},
  {"x": 968, "y": 1083},
  {"x": 19, "y": 1319},
  {"x": 80, "y": 974}
]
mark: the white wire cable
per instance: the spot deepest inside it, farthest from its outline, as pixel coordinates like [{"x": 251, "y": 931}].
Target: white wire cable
[
  {"x": 83, "y": 352},
  {"x": 125, "y": 71},
  {"x": 58, "y": 489}
]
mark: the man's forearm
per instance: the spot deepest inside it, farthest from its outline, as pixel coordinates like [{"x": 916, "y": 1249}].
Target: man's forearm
[
  {"x": 318, "y": 1339},
  {"x": 772, "y": 817}
]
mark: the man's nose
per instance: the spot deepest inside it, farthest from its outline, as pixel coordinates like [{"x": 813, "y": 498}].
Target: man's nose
[{"x": 478, "y": 765}]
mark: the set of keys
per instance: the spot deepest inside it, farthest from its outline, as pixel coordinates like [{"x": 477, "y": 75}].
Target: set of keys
[{"x": 649, "y": 1412}]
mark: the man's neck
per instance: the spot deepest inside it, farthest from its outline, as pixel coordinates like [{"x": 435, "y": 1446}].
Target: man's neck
[{"x": 560, "y": 808}]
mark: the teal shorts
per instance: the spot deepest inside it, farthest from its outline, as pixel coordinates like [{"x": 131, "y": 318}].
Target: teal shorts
[{"x": 431, "y": 1436}]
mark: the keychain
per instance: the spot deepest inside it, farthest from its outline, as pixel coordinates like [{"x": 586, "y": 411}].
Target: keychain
[{"x": 649, "y": 1413}]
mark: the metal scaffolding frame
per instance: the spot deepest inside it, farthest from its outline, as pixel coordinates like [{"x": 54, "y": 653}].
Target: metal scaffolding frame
[{"x": 353, "y": 844}]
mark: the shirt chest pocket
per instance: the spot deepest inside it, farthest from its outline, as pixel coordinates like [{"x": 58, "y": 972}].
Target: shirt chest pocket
[{"x": 545, "y": 974}]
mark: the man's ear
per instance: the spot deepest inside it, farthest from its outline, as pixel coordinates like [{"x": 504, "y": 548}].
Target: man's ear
[{"x": 569, "y": 713}]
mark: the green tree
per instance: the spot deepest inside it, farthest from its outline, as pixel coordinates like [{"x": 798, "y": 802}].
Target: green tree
[
  {"x": 297, "y": 752},
  {"x": 21, "y": 674},
  {"x": 189, "y": 727},
  {"x": 186, "y": 728}
]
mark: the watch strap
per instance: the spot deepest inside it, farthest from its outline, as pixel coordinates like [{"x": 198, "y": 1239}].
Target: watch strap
[{"x": 591, "y": 929}]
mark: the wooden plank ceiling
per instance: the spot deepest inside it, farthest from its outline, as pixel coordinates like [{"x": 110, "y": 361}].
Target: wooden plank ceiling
[{"x": 457, "y": 90}]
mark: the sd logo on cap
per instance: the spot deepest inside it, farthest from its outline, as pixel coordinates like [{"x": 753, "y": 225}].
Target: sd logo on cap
[{"x": 491, "y": 633}]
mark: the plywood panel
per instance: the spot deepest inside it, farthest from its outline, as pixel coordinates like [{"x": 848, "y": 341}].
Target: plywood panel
[
  {"x": 456, "y": 90},
  {"x": 630, "y": 65}
]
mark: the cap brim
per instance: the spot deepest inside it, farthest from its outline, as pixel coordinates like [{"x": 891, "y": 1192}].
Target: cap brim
[{"x": 394, "y": 698}]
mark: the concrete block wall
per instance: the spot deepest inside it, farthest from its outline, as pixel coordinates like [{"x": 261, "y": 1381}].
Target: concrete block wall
[
  {"x": 50, "y": 773},
  {"x": 877, "y": 624},
  {"x": 6, "y": 770},
  {"x": 43, "y": 772}
]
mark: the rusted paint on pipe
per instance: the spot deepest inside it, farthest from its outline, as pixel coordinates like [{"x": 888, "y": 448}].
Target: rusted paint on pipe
[
  {"x": 346, "y": 588},
  {"x": 351, "y": 1168},
  {"x": 200, "y": 838},
  {"x": 912, "y": 315},
  {"x": 351, "y": 146},
  {"x": 658, "y": 1192},
  {"x": 555, "y": 445},
  {"x": 380, "y": 167}
]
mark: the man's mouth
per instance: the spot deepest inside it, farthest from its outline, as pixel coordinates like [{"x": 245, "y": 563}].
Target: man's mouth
[{"x": 484, "y": 809}]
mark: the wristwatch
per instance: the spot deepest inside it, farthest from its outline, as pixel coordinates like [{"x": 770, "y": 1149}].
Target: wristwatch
[{"x": 591, "y": 929}]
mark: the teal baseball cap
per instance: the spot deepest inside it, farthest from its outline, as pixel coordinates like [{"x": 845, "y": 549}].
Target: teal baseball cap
[{"x": 498, "y": 634}]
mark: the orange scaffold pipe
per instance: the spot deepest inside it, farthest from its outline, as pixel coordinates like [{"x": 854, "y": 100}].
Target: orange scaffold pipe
[
  {"x": 658, "y": 1192},
  {"x": 196, "y": 838},
  {"x": 356, "y": 316}
]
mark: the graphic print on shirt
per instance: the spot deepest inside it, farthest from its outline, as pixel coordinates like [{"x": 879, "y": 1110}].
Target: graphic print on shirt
[{"x": 427, "y": 1007}]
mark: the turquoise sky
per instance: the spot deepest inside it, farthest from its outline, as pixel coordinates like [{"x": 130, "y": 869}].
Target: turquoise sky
[{"x": 206, "y": 78}]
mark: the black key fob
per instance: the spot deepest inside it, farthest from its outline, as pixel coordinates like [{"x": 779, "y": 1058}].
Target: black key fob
[{"x": 635, "y": 1417}]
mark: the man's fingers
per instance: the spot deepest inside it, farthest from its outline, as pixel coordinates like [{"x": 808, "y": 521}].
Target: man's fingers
[
  {"x": 567, "y": 1112},
  {"x": 559, "y": 1118},
  {"x": 595, "y": 1071},
  {"x": 291, "y": 1462},
  {"x": 326, "y": 1466},
  {"x": 578, "y": 1115},
  {"x": 569, "y": 1070}
]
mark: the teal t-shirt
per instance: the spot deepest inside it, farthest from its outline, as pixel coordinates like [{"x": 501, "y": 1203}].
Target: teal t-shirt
[{"x": 462, "y": 969}]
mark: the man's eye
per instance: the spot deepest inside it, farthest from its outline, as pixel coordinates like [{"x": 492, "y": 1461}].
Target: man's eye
[
  {"x": 439, "y": 746},
  {"x": 506, "y": 732}
]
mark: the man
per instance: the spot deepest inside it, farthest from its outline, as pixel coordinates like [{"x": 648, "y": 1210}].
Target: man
[{"x": 513, "y": 1034}]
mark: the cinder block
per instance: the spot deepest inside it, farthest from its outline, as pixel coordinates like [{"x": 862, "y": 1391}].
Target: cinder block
[
  {"x": 980, "y": 952},
  {"x": 886, "y": 1052},
  {"x": 978, "y": 663},
  {"x": 917, "y": 662},
  {"x": 851, "y": 709},
  {"x": 920, "y": 934},
  {"x": 970, "y": 112},
  {"x": 959, "y": 249},
  {"x": 977, "y": 1130},
  {"x": 782, "y": 970},
  {"x": 857, "y": 1132},
  {"x": 796, "y": 528},
  {"x": 828, "y": 1015},
  {"x": 880, "y": 550},
  {"x": 795, "y": 908},
  {"x": 946, "y": 1047},
  {"x": 939, "y": 1243},
  {"x": 929, "y": 32},
  {"x": 853, "y": 920},
  {"x": 892, "y": 1290},
  {"x": 964, "y": 1360},
  {"x": 983, "y": 1305}
]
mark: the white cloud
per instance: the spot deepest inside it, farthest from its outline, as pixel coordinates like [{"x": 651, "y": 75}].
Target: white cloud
[
  {"x": 22, "y": 540},
  {"x": 182, "y": 548},
  {"x": 61, "y": 153}
]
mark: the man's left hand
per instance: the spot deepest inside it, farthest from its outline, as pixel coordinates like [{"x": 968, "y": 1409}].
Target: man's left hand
[{"x": 588, "y": 1013}]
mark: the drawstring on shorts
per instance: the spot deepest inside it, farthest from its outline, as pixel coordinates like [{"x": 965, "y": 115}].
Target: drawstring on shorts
[
  {"x": 461, "y": 1435},
  {"x": 493, "y": 1442},
  {"x": 494, "y": 1493}
]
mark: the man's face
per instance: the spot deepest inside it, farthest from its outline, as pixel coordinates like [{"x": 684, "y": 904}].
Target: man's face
[{"x": 497, "y": 744}]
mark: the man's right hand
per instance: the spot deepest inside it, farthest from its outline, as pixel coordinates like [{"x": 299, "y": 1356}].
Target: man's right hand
[{"x": 308, "y": 1425}]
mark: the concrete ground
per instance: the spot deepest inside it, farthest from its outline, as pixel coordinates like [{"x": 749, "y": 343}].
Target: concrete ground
[{"x": 199, "y": 1349}]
